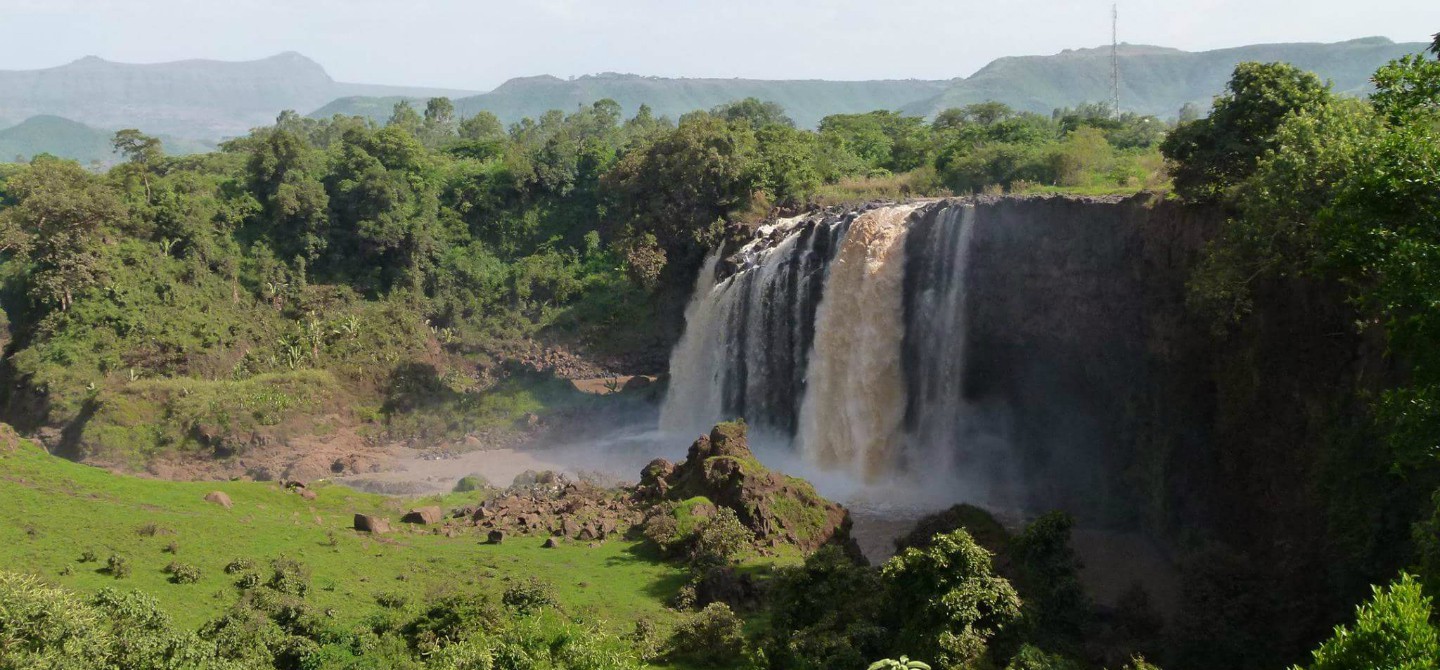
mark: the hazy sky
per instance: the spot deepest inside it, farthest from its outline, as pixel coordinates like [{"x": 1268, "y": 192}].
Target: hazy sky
[{"x": 476, "y": 44}]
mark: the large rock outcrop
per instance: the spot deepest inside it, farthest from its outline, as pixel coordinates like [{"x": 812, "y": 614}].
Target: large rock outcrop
[{"x": 779, "y": 509}]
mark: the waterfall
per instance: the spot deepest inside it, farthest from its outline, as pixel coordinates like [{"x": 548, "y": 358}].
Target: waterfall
[
  {"x": 852, "y": 414},
  {"x": 747, "y": 335},
  {"x": 845, "y": 337}
]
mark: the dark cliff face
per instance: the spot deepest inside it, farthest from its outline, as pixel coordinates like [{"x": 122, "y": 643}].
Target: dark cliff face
[
  {"x": 1078, "y": 326},
  {"x": 1249, "y": 451}
]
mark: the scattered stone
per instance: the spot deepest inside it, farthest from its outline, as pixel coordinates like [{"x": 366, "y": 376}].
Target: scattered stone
[
  {"x": 496, "y": 536},
  {"x": 372, "y": 524},
  {"x": 424, "y": 515},
  {"x": 219, "y": 498},
  {"x": 308, "y": 494},
  {"x": 550, "y": 543}
]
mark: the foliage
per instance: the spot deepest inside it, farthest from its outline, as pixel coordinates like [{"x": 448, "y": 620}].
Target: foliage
[
  {"x": 530, "y": 597},
  {"x": 946, "y": 601},
  {"x": 720, "y": 539},
  {"x": 902, "y": 663},
  {"x": 713, "y": 637},
  {"x": 1216, "y": 152},
  {"x": 825, "y": 614},
  {"x": 1391, "y": 630},
  {"x": 1056, "y": 610}
]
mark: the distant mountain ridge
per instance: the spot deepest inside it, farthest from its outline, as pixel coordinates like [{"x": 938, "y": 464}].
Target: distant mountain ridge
[
  {"x": 199, "y": 102},
  {"x": 805, "y": 100},
  {"x": 1153, "y": 80},
  {"x": 71, "y": 139},
  {"x": 1156, "y": 80},
  {"x": 200, "y": 99}
]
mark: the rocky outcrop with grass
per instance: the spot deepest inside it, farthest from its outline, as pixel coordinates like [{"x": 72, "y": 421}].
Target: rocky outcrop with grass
[{"x": 721, "y": 469}]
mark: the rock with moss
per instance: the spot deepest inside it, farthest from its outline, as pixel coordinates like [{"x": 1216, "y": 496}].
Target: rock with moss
[{"x": 720, "y": 469}]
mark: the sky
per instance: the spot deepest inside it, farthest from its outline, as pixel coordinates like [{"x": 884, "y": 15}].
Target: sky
[{"x": 477, "y": 44}]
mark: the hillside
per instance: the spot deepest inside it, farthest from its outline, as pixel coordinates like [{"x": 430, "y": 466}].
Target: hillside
[
  {"x": 1154, "y": 80},
  {"x": 77, "y": 141},
  {"x": 806, "y": 101},
  {"x": 201, "y": 99}
]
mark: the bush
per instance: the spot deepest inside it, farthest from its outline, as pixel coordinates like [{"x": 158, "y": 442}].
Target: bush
[
  {"x": 661, "y": 529},
  {"x": 470, "y": 483},
  {"x": 181, "y": 573},
  {"x": 713, "y": 636},
  {"x": 947, "y": 601},
  {"x": 720, "y": 539},
  {"x": 289, "y": 576},
  {"x": 392, "y": 600},
  {"x": 530, "y": 597},
  {"x": 116, "y": 566},
  {"x": 239, "y": 565},
  {"x": 1392, "y": 630},
  {"x": 825, "y": 614}
]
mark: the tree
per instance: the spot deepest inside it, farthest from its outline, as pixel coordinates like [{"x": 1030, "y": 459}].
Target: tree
[
  {"x": 682, "y": 185},
  {"x": 947, "y": 601},
  {"x": 1056, "y": 608},
  {"x": 1212, "y": 154},
  {"x": 141, "y": 151},
  {"x": 439, "y": 124},
  {"x": 483, "y": 125},
  {"x": 404, "y": 117},
  {"x": 1392, "y": 630},
  {"x": 59, "y": 212},
  {"x": 757, "y": 113}
]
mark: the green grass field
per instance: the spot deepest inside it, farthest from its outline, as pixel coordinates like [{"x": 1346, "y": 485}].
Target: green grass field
[{"x": 52, "y": 511}]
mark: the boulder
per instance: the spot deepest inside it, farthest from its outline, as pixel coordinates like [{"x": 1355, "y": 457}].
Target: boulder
[
  {"x": 424, "y": 515},
  {"x": 308, "y": 494},
  {"x": 550, "y": 543},
  {"x": 721, "y": 468},
  {"x": 219, "y": 498},
  {"x": 496, "y": 536},
  {"x": 377, "y": 525}
]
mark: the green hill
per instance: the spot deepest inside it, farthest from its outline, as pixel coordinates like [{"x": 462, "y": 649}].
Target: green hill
[
  {"x": 1154, "y": 80},
  {"x": 69, "y": 139},
  {"x": 806, "y": 101},
  {"x": 202, "y": 99}
]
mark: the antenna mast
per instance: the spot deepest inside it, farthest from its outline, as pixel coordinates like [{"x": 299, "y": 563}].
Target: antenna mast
[{"x": 1115, "y": 60}]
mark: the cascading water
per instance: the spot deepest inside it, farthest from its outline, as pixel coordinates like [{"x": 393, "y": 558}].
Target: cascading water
[
  {"x": 844, "y": 336},
  {"x": 854, "y": 406},
  {"x": 747, "y": 336}
]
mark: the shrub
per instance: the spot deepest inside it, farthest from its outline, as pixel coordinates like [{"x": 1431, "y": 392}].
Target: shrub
[
  {"x": 825, "y": 613},
  {"x": 1392, "y": 630},
  {"x": 947, "y": 601},
  {"x": 239, "y": 565},
  {"x": 530, "y": 597},
  {"x": 152, "y": 529},
  {"x": 720, "y": 539},
  {"x": 470, "y": 483},
  {"x": 88, "y": 556},
  {"x": 712, "y": 636},
  {"x": 116, "y": 566},
  {"x": 182, "y": 573},
  {"x": 661, "y": 529},
  {"x": 392, "y": 600},
  {"x": 289, "y": 576}
]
